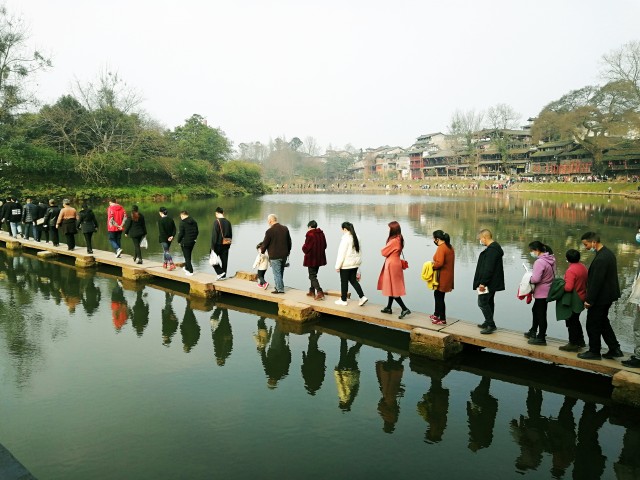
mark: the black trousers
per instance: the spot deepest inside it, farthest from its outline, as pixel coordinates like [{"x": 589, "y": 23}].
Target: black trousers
[
  {"x": 71, "y": 240},
  {"x": 137, "y": 251},
  {"x": 87, "y": 240},
  {"x": 187, "y": 250},
  {"x": 348, "y": 275},
  {"x": 539, "y": 314},
  {"x": 313, "y": 278},
  {"x": 598, "y": 325},
  {"x": 440, "y": 310},
  {"x": 576, "y": 336},
  {"x": 223, "y": 253},
  {"x": 55, "y": 237}
]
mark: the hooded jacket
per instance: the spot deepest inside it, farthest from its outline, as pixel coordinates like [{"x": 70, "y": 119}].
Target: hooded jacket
[
  {"x": 314, "y": 248},
  {"x": 188, "y": 232},
  {"x": 544, "y": 271},
  {"x": 116, "y": 217},
  {"x": 489, "y": 270}
]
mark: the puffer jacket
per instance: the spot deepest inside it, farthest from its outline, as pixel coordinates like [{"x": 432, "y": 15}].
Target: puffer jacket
[
  {"x": 347, "y": 256},
  {"x": 544, "y": 270}
]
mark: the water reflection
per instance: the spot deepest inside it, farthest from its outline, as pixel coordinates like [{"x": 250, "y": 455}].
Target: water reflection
[{"x": 370, "y": 364}]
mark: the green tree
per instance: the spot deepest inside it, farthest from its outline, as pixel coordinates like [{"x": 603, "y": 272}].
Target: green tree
[{"x": 195, "y": 140}]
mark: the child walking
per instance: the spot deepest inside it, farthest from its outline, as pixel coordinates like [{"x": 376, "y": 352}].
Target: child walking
[{"x": 261, "y": 263}]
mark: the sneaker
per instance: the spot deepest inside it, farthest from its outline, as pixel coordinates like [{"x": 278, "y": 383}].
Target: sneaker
[
  {"x": 489, "y": 329},
  {"x": 171, "y": 267},
  {"x": 184, "y": 269},
  {"x": 319, "y": 295},
  {"x": 632, "y": 362},
  {"x": 118, "y": 252},
  {"x": 529, "y": 334},
  {"x": 344, "y": 303},
  {"x": 611, "y": 354},
  {"x": 483, "y": 325},
  {"x": 135, "y": 259},
  {"x": 537, "y": 341},
  {"x": 589, "y": 355},
  {"x": 265, "y": 285},
  {"x": 260, "y": 285},
  {"x": 139, "y": 262},
  {"x": 276, "y": 291},
  {"x": 221, "y": 276},
  {"x": 311, "y": 293},
  {"x": 164, "y": 265},
  {"x": 570, "y": 347},
  {"x": 363, "y": 300},
  {"x": 188, "y": 273},
  {"x": 439, "y": 322},
  {"x": 434, "y": 317}
]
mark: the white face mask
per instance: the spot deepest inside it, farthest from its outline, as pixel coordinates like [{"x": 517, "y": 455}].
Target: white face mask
[
  {"x": 533, "y": 254},
  {"x": 481, "y": 243},
  {"x": 592, "y": 249}
]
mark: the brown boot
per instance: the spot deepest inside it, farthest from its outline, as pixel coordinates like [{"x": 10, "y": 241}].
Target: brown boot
[
  {"x": 319, "y": 295},
  {"x": 311, "y": 292}
]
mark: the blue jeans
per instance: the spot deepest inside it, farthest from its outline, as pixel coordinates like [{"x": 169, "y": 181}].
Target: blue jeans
[
  {"x": 277, "y": 266},
  {"x": 166, "y": 255},
  {"x": 16, "y": 228},
  {"x": 114, "y": 239}
]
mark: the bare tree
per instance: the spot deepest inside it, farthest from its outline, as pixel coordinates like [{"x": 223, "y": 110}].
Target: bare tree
[
  {"x": 503, "y": 117},
  {"x": 311, "y": 146},
  {"x": 623, "y": 64}
]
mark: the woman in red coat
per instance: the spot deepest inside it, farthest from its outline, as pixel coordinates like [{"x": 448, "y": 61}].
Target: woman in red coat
[
  {"x": 391, "y": 279},
  {"x": 443, "y": 261}
]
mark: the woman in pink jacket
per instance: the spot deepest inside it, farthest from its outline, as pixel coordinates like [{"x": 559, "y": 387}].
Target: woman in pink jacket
[
  {"x": 544, "y": 270},
  {"x": 391, "y": 279}
]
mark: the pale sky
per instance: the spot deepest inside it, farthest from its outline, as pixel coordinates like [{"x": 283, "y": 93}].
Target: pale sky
[{"x": 368, "y": 73}]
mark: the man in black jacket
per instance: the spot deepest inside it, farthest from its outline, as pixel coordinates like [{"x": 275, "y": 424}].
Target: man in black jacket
[
  {"x": 602, "y": 290},
  {"x": 488, "y": 279},
  {"x": 221, "y": 242},
  {"x": 187, "y": 236},
  {"x": 277, "y": 242}
]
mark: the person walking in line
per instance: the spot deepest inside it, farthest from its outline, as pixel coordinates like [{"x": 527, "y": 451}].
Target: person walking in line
[
  {"x": 544, "y": 269},
  {"x": 166, "y": 232},
  {"x": 348, "y": 261},
  {"x": 12, "y": 214},
  {"x": 277, "y": 242},
  {"x": 88, "y": 225},
  {"x": 187, "y": 236},
  {"x": 314, "y": 248},
  {"x": 50, "y": 219},
  {"x": 41, "y": 226},
  {"x": 575, "y": 279},
  {"x": 67, "y": 223},
  {"x": 136, "y": 228},
  {"x": 261, "y": 263},
  {"x": 488, "y": 279},
  {"x": 391, "y": 279},
  {"x": 443, "y": 262},
  {"x": 602, "y": 290},
  {"x": 116, "y": 217},
  {"x": 29, "y": 214},
  {"x": 221, "y": 238}
]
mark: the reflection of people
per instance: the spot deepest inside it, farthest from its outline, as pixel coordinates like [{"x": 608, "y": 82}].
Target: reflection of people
[
  {"x": 91, "y": 297},
  {"x": 189, "y": 329},
  {"x": 628, "y": 465},
  {"x": 590, "y": 461},
  {"x": 562, "y": 438},
  {"x": 277, "y": 358},
  {"x": 481, "y": 410},
  {"x": 530, "y": 433},
  {"x": 602, "y": 290},
  {"x": 222, "y": 335},
  {"x": 262, "y": 336},
  {"x": 139, "y": 314},
  {"x": 313, "y": 365},
  {"x": 169, "y": 320},
  {"x": 488, "y": 279},
  {"x": 434, "y": 408},
  {"x": 389, "y": 373},
  {"x": 118, "y": 307},
  {"x": 347, "y": 375}
]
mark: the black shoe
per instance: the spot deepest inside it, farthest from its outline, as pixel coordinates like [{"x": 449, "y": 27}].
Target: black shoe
[
  {"x": 570, "y": 347},
  {"x": 89, "y": 251},
  {"x": 611, "y": 354},
  {"x": 483, "y": 325},
  {"x": 488, "y": 329},
  {"x": 386, "y": 310},
  {"x": 276, "y": 291},
  {"x": 530, "y": 334},
  {"x": 139, "y": 262},
  {"x": 404, "y": 313},
  {"x": 633, "y": 362},
  {"x": 537, "y": 341},
  {"x": 589, "y": 355}
]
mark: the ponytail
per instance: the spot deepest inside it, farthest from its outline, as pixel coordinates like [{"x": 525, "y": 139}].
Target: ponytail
[
  {"x": 349, "y": 226},
  {"x": 541, "y": 247},
  {"x": 440, "y": 235}
]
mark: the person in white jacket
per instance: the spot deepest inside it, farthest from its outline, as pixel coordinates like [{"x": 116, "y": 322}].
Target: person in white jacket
[
  {"x": 262, "y": 264},
  {"x": 347, "y": 264}
]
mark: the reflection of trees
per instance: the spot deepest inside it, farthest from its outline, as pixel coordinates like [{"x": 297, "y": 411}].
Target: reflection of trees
[
  {"x": 347, "y": 375},
  {"x": 276, "y": 359},
  {"x": 313, "y": 364},
  {"x": 389, "y": 373},
  {"x": 222, "y": 335}
]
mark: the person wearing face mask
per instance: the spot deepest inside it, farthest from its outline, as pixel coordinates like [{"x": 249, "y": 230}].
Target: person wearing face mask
[
  {"x": 544, "y": 269},
  {"x": 602, "y": 290},
  {"x": 443, "y": 261},
  {"x": 488, "y": 278}
]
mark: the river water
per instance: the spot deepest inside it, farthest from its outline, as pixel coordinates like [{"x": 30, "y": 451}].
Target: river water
[{"x": 102, "y": 378}]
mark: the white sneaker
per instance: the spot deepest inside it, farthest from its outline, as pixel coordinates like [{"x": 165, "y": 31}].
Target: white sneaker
[
  {"x": 118, "y": 252},
  {"x": 188, "y": 273},
  {"x": 341, "y": 302},
  {"x": 363, "y": 300},
  {"x": 221, "y": 276}
]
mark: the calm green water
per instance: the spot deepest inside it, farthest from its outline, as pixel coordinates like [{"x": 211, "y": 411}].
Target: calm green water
[{"x": 105, "y": 379}]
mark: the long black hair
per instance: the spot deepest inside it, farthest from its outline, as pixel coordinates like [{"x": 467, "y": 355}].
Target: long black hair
[
  {"x": 541, "y": 247},
  {"x": 440, "y": 235},
  {"x": 352, "y": 231}
]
